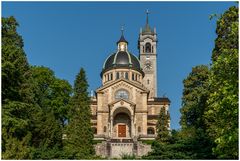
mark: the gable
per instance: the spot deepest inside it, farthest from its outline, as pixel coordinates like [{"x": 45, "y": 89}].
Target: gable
[{"x": 125, "y": 83}]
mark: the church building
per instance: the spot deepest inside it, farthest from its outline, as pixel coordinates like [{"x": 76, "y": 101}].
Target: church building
[{"x": 126, "y": 107}]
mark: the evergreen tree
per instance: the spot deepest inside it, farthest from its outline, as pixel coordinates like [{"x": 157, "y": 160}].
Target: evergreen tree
[
  {"x": 79, "y": 142},
  {"x": 163, "y": 126},
  {"x": 222, "y": 112},
  {"x": 17, "y": 96}
]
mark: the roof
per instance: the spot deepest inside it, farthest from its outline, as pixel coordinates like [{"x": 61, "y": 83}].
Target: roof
[
  {"x": 122, "y": 39},
  {"x": 122, "y": 59}
]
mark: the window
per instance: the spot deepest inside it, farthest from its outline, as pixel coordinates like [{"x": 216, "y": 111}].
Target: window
[
  {"x": 133, "y": 78},
  {"x": 148, "y": 48},
  {"x": 126, "y": 75},
  {"x": 139, "y": 129},
  {"x": 150, "y": 131},
  {"x": 111, "y": 78},
  {"x": 121, "y": 94},
  {"x": 148, "y": 81},
  {"x": 105, "y": 129},
  {"x": 117, "y": 75},
  {"x": 122, "y": 74}
]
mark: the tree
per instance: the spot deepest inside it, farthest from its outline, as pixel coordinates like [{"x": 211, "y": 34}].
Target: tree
[
  {"x": 17, "y": 97},
  {"x": 175, "y": 148},
  {"x": 221, "y": 116},
  {"x": 51, "y": 93},
  {"x": 79, "y": 142},
  {"x": 194, "y": 104},
  {"x": 163, "y": 126},
  {"x": 195, "y": 94},
  {"x": 51, "y": 96}
]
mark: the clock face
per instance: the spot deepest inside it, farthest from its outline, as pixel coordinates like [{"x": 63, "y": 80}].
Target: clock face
[{"x": 148, "y": 66}]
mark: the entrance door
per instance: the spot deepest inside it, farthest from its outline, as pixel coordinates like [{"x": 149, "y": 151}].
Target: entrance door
[{"x": 121, "y": 130}]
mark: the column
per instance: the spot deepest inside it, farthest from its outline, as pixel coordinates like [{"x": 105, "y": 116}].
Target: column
[
  {"x": 132, "y": 127},
  {"x": 111, "y": 122}
]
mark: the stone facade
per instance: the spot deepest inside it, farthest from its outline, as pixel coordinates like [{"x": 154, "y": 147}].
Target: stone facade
[{"x": 126, "y": 107}]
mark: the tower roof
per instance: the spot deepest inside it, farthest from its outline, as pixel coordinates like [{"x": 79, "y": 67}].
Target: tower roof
[
  {"x": 147, "y": 29},
  {"x": 122, "y": 39}
]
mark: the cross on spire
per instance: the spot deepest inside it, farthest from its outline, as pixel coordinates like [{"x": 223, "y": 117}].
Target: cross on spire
[
  {"x": 147, "y": 12},
  {"x": 122, "y": 29}
]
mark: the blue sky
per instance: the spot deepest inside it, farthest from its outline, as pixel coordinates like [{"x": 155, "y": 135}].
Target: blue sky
[{"x": 65, "y": 36}]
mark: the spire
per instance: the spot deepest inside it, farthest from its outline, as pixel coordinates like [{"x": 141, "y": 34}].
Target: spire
[
  {"x": 147, "y": 12},
  {"x": 122, "y": 39},
  {"x": 147, "y": 29},
  {"x": 122, "y": 29}
]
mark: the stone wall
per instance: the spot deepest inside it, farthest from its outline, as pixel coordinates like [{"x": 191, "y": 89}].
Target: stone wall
[
  {"x": 101, "y": 149},
  {"x": 120, "y": 149},
  {"x": 143, "y": 149},
  {"x": 117, "y": 150}
]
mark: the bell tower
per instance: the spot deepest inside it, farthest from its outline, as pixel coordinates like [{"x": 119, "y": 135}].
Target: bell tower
[{"x": 147, "y": 45}]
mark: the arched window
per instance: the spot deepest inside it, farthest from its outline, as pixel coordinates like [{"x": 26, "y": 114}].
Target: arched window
[
  {"x": 133, "y": 78},
  {"x": 148, "y": 48},
  {"x": 104, "y": 129},
  {"x": 121, "y": 94},
  {"x": 111, "y": 76},
  {"x": 150, "y": 131},
  {"x": 148, "y": 81},
  {"x": 94, "y": 130},
  {"x": 143, "y": 49},
  {"x": 117, "y": 75},
  {"x": 126, "y": 75}
]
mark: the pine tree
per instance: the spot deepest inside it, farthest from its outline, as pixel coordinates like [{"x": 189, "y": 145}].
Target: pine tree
[
  {"x": 17, "y": 96},
  {"x": 163, "y": 126},
  {"x": 79, "y": 142}
]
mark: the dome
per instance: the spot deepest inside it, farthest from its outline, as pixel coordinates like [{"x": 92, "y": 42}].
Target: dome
[{"x": 122, "y": 59}]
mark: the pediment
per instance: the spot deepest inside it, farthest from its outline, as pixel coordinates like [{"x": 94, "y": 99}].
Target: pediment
[
  {"x": 125, "y": 81},
  {"x": 122, "y": 102}
]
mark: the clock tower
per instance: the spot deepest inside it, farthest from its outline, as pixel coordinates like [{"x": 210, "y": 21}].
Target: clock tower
[{"x": 147, "y": 45}]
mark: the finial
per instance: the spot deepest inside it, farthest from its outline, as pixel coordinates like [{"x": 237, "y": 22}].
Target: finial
[
  {"x": 122, "y": 29},
  {"x": 147, "y": 12}
]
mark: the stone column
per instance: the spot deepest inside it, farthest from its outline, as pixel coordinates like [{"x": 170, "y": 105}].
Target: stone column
[
  {"x": 111, "y": 126},
  {"x": 132, "y": 126}
]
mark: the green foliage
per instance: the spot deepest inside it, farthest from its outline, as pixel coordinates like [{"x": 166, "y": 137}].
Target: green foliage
[
  {"x": 51, "y": 93},
  {"x": 79, "y": 142},
  {"x": 222, "y": 112},
  {"x": 227, "y": 32},
  {"x": 181, "y": 145},
  {"x": 149, "y": 142},
  {"x": 97, "y": 141},
  {"x": 128, "y": 157},
  {"x": 17, "y": 103},
  {"x": 51, "y": 96},
  {"x": 195, "y": 94},
  {"x": 15, "y": 68},
  {"x": 163, "y": 125},
  {"x": 34, "y": 103}
]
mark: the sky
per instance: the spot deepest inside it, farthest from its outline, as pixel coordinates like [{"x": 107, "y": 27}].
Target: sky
[{"x": 66, "y": 36}]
